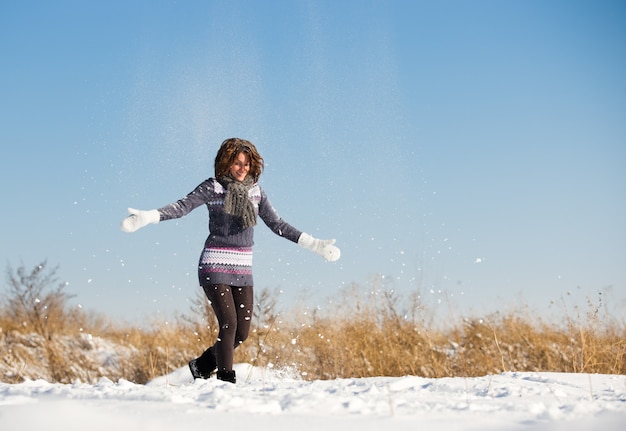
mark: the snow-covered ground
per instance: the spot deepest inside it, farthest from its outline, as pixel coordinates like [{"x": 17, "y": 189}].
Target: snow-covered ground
[{"x": 266, "y": 400}]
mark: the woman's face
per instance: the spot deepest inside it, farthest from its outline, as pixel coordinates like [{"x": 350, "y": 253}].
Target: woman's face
[{"x": 240, "y": 167}]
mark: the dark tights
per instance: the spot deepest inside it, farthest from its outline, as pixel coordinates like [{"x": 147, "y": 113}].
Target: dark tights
[{"x": 233, "y": 308}]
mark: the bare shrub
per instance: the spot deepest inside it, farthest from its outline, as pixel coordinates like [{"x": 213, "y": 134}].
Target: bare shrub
[{"x": 36, "y": 300}]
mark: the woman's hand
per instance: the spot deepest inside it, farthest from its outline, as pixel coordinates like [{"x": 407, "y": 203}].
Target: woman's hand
[
  {"x": 138, "y": 219},
  {"x": 323, "y": 247}
]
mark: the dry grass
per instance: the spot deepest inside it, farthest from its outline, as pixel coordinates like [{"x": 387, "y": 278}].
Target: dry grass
[
  {"x": 365, "y": 334},
  {"x": 368, "y": 332}
]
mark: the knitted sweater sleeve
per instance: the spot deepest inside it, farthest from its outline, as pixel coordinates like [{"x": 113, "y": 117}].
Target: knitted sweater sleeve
[
  {"x": 199, "y": 196},
  {"x": 271, "y": 218}
]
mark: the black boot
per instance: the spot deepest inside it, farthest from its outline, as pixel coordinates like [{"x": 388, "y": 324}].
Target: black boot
[
  {"x": 227, "y": 376},
  {"x": 202, "y": 367}
]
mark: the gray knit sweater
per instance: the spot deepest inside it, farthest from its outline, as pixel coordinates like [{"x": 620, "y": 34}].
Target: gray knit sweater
[{"x": 226, "y": 232}]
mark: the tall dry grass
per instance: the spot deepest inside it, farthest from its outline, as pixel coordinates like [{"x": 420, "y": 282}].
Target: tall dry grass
[{"x": 369, "y": 331}]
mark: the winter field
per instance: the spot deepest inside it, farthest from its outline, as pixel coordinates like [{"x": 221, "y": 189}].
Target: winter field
[
  {"x": 386, "y": 363},
  {"x": 263, "y": 400}
]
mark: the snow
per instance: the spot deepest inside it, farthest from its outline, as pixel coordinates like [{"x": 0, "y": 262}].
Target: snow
[{"x": 265, "y": 399}]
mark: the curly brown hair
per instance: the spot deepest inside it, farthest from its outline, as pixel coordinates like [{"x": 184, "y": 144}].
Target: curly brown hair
[{"x": 228, "y": 152}]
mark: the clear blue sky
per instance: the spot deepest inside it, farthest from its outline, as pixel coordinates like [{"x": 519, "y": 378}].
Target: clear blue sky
[{"x": 472, "y": 150}]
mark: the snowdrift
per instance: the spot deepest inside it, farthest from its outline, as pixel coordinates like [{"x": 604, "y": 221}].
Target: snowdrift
[{"x": 265, "y": 399}]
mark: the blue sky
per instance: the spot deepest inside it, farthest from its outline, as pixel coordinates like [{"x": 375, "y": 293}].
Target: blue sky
[{"x": 472, "y": 151}]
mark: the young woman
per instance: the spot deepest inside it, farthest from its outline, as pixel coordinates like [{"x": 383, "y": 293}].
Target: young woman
[{"x": 234, "y": 200}]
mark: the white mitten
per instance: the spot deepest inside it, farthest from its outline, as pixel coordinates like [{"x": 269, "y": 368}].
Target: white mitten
[
  {"x": 323, "y": 247},
  {"x": 138, "y": 219}
]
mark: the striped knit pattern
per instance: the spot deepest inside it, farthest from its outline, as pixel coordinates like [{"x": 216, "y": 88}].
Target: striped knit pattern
[{"x": 226, "y": 265}]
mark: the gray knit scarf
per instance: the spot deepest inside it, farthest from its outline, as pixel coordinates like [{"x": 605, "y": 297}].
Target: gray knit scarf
[{"x": 237, "y": 202}]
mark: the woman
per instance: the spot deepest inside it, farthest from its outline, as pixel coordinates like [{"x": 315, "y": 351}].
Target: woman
[{"x": 234, "y": 200}]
